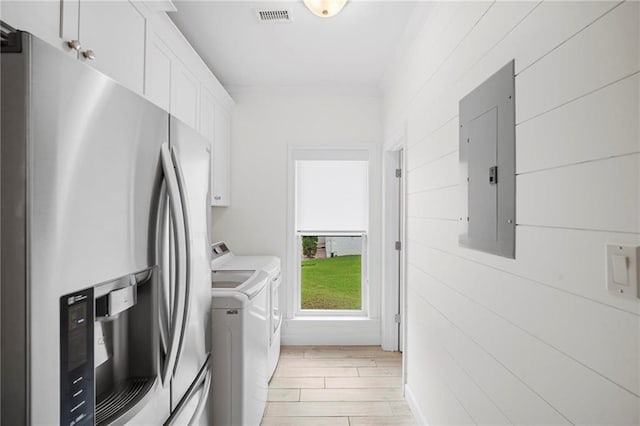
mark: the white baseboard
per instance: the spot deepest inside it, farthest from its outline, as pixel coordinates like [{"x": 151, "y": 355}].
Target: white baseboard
[
  {"x": 331, "y": 331},
  {"x": 413, "y": 405}
]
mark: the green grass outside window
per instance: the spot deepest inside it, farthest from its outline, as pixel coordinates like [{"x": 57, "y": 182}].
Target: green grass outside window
[{"x": 332, "y": 283}]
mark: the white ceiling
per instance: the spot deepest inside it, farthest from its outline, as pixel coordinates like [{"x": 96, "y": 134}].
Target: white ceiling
[{"x": 353, "y": 48}]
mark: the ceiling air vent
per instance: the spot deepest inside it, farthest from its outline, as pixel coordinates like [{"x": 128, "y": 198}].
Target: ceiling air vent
[{"x": 274, "y": 15}]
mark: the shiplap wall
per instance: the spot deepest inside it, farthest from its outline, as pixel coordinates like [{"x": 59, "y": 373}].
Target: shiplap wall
[{"x": 538, "y": 339}]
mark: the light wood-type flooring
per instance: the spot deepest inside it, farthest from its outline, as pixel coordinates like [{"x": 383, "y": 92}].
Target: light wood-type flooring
[{"x": 337, "y": 386}]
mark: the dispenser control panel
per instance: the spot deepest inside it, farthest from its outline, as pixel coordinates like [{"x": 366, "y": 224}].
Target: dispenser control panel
[{"x": 76, "y": 358}]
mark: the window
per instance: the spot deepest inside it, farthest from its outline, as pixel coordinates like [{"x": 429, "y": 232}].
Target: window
[
  {"x": 331, "y": 272},
  {"x": 331, "y": 224}
]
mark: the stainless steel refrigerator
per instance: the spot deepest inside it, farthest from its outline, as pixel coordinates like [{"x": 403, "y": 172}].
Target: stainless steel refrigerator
[{"x": 105, "y": 276}]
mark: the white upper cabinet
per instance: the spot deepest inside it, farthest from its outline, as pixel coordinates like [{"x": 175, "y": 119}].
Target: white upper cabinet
[
  {"x": 157, "y": 84},
  {"x": 55, "y": 22},
  {"x": 207, "y": 114},
  {"x": 113, "y": 33},
  {"x": 136, "y": 43},
  {"x": 184, "y": 94},
  {"x": 215, "y": 126},
  {"x": 221, "y": 162},
  {"x": 110, "y": 32}
]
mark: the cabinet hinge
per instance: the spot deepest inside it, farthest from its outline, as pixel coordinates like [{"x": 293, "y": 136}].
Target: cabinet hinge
[
  {"x": 398, "y": 245},
  {"x": 396, "y": 318},
  {"x": 398, "y": 173}
]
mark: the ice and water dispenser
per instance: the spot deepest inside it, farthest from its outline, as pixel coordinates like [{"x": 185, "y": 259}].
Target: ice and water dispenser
[{"x": 108, "y": 352}]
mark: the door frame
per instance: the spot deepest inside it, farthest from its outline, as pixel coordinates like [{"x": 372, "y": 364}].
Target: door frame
[{"x": 392, "y": 333}]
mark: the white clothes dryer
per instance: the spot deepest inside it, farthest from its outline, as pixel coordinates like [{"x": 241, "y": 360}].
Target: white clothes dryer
[{"x": 223, "y": 259}]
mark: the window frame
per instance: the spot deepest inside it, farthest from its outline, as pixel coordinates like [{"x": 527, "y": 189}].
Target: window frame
[{"x": 294, "y": 290}]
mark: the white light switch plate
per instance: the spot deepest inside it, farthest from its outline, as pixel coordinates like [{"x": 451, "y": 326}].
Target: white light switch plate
[{"x": 623, "y": 270}]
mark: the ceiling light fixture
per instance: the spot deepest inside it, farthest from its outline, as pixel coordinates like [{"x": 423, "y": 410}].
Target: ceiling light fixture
[{"x": 325, "y": 8}]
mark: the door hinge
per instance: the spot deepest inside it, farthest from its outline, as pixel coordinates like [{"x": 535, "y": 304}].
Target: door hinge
[
  {"x": 398, "y": 245},
  {"x": 398, "y": 173},
  {"x": 396, "y": 318}
]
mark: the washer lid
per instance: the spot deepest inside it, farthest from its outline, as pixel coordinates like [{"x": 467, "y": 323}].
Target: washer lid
[
  {"x": 223, "y": 259},
  {"x": 269, "y": 264},
  {"x": 248, "y": 282}
]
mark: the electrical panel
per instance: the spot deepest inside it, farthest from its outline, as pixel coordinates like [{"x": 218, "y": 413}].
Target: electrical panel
[{"x": 487, "y": 165}]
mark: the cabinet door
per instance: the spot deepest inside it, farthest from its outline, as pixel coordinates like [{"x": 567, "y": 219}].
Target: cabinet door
[
  {"x": 184, "y": 94},
  {"x": 221, "y": 194},
  {"x": 157, "y": 84},
  {"x": 114, "y": 31},
  {"x": 206, "y": 124},
  {"x": 55, "y": 22}
]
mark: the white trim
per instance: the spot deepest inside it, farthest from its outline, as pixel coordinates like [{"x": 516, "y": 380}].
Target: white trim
[
  {"x": 404, "y": 343},
  {"x": 418, "y": 415},
  {"x": 349, "y": 330},
  {"x": 341, "y": 313},
  {"x": 331, "y": 331},
  {"x": 304, "y": 232},
  {"x": 351, "y": 89},
  {"x": 392, "y": 264},
  {"x": 349, "y": 153},
  {"x": 396, "y": 142},
  {"x": 292, "y": 270}
]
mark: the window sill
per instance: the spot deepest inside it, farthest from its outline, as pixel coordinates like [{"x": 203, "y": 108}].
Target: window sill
[{"x": 348, "y": 317}]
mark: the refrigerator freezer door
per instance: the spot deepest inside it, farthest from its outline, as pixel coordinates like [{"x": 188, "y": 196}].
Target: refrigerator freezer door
[
  {"x": 92, "y": 178},
  {"x": 192, "y": 154}
]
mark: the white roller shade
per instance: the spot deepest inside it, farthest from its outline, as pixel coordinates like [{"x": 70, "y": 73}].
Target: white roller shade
[{"x": 332, "y": 195}]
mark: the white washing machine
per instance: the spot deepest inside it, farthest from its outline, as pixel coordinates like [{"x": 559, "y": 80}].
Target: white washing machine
[
  {"x": 223, "y": 259},
  {"x": 240, "y": 314}
]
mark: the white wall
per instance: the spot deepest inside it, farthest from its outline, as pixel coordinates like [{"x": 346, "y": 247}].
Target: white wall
[
  {"x": 535, "y": 340},
  {"x": 265, "y": 125}
]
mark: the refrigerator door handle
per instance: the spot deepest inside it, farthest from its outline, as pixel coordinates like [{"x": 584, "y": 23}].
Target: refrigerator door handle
[
  {"x": 180, "y": 242},
  {"x": 162, "y": 256},
  {"x": 202, "y": 381},
  {"x": 187, "y": 232}
]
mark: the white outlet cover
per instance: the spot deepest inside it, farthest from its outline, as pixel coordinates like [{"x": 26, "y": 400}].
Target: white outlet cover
[{"x": 632, "y": 254}]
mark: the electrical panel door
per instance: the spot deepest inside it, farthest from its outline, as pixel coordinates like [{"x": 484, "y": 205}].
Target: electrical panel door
[
  {"x": 487, "y": 165},
  {"x": 483, "y": 188}
]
